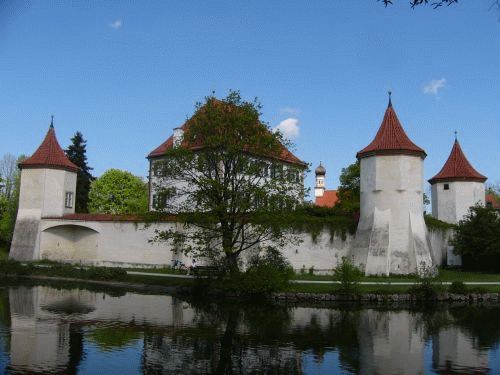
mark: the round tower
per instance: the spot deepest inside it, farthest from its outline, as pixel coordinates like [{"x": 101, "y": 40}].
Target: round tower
[
  {"x": 391, "y": 237},
  {"x": 456, "y": 187},
  {"x": 320, "y": 187},
  {"x": 48, "y": 187}
]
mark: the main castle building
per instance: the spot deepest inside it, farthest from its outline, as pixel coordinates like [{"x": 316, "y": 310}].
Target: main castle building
[{"x": 392, "y": 237}]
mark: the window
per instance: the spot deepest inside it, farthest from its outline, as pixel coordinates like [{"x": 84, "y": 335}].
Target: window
[
  {"x": 68, "y": 200},
  {"x": 446, "y": 187}
]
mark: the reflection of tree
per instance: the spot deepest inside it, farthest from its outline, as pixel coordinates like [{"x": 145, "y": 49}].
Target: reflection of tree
[
  {"x": 431, "y": 318},
  {"x": 481, "y": 323},
  {"x": 5, "y": 320},
  {"x": 341, "y": 333},
  {"x": 76, "y": 353},
  {"x": 4, "y": 307},
  {"x": 110, "y": 338},
  {"x": 228, "y": 338},
  {"x": 225, "y": 365}
]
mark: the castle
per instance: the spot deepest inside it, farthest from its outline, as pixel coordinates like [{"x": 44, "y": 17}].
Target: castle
[{"x": 391, "y": 238}]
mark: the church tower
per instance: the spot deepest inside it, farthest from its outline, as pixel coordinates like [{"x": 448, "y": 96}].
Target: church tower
[
  {"x": 391, "y": 237},
  {"x": 48, "y": 187},
  {"x": 320, "y": 187},
  {"x": 456, "y": 187}
]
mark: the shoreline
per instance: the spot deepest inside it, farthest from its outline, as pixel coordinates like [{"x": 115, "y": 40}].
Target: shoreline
[{"x": 285, "y": 298}]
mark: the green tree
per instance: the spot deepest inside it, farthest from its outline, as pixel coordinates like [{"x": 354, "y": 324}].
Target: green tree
[
  {"x": 76, "y": 152},
  {"x": 118, "y": 192},
  {"x": 9, "y": 198},
  {"x": 228, "y": 182},
  {"x": 477, "y": 239},
  {"x": 349, "y": 190}
]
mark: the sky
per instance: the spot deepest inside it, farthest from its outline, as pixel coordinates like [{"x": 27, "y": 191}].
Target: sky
[{"x": 125, "y": 73}]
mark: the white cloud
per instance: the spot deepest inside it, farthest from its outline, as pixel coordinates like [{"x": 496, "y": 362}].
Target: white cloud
[
  {"x": 116, "y": 24},
  {"x": 434, "y": 86},
  {"x": 289, "y": 127}
]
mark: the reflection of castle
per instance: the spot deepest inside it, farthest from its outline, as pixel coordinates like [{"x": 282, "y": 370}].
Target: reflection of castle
[
  {"x": 38, "y": 345},
  {"x": 454, "y": 353},
  {"x": 50, "y": 329}
]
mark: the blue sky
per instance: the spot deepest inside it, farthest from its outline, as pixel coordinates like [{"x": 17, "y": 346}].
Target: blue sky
[{"x": 125, "y": 73}]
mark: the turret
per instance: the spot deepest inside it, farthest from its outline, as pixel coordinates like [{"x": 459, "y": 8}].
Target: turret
[
  {"x": 48, "y": 186},
  {"x": 391, "y": 234},
  {"x": 456, "y": 187},
  {"x": 320, "y": 187}
]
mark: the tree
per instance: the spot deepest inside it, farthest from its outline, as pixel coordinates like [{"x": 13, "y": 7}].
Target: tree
[
  {"x": 477, "y": 239},
  {"x": 413, "y": 3},
  {"x": 227, "y": 182},
  {"x": 118, "y": 192},
  {"x": 349, "y": 190},
  {"x": 76, "y": 152},
  {"x": 9, "y": 197},
  {"x": 8, "y": 171}
]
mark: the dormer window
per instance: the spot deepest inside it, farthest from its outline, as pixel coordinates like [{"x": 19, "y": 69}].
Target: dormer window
[{"x": 68, "y": 199}]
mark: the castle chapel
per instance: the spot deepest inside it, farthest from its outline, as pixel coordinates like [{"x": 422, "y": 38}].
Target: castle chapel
[{"x": 391, "y": 238}]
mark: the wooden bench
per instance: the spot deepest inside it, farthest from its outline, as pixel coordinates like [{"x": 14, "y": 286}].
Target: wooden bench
[{"x": 205, "y": 271}]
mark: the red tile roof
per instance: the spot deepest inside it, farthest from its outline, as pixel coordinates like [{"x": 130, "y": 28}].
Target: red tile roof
[
  {"x": 457, "y": 168},
  {"x": 328, "y": 199},
  {"x": 492, "y": 202},
  {"x": 49, "y": 155},
  {"x": 391, "y": 139},
  {"x": 285, "y": 155}
]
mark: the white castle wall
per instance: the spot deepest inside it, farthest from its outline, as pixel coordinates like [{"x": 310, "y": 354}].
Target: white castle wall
[
  {"x": 127, "y": 244},
  {"x": 95, "y": 242}
]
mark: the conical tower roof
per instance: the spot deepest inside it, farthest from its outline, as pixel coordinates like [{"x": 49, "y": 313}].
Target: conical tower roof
[
  {"x": 49, "y": 155},
  {"x": 391, "y": 139},
  {"x": 457, "y": 168}
]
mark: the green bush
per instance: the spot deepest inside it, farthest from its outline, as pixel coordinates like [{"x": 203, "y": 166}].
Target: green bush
[
  {"x": 458, "y": 287},
  {"x": 268, "y": 272},
  {"x": 106, "y": 273},
  {"x": 477, "y": 239},
  {"x": 349, "y": 276},
  {"x": 262, "y": 279},
  {"x": 425, "y": 289}
]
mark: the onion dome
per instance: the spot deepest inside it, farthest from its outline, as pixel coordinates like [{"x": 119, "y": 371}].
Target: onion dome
[
  {"x": 320, "y": 170},
  {"x": 457, "y": 168},
  {"x": 391, "y": 139},
  {"x": 49, "y": 155}
]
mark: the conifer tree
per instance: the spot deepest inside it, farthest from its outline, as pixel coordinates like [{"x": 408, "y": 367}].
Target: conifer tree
[{"x": 76, "y": 152}]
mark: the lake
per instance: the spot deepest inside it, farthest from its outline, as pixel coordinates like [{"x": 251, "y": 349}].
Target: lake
[{"x": 49, "y": 330}]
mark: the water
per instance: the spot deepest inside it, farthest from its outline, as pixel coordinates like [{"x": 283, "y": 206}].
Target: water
[{"x": 78, "y": 331}]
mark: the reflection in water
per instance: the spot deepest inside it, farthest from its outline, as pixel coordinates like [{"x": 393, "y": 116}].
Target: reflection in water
[{"x": 77, "y": 331}]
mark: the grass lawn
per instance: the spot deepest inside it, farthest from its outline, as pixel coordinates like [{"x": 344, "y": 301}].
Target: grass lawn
[{"x": 440, "y": 283}]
